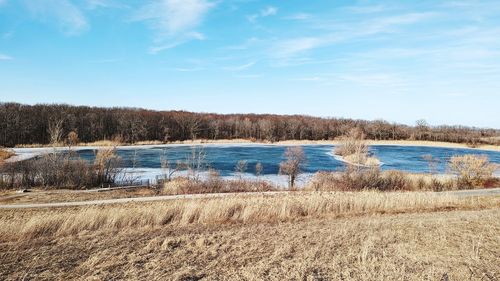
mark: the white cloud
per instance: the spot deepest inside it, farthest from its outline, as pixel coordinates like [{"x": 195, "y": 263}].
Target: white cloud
[
  {"x": 179, "y": 41},
  {"x": 174, "y": 20},
  {"x": 299, "y": 16},
  {"x": 291, "y": 47},
  {"x": 5, "y": 57},
  {"x": 345, "y": 32},
  {"x": 172, "y": 17},
  {"x": 266, "y": 12},
  {"x": 64, "y": 12},
  {"x": 240, "y": 67}
]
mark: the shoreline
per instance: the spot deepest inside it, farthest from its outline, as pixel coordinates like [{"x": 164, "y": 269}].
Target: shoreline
[{"x": 147, "y": 144}]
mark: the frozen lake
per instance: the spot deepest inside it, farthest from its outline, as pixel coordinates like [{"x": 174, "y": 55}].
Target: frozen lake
[{"x": 224, "y": 158}]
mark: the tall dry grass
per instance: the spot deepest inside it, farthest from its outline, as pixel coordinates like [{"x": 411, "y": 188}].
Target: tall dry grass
[
  {"x": 374, "y": 179},
  {"x": 5, "y": 154},
  {"x": 15, "y": 225}
]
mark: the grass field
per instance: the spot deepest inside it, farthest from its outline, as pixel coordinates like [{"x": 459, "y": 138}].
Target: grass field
[{"x": 304, "y": 236}]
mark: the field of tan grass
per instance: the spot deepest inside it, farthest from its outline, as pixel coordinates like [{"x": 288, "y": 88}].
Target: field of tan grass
[
  {"x": 245, "y": 209},
  {"x": 446, "y": 245},
  {"x": 38, "y": 196}
]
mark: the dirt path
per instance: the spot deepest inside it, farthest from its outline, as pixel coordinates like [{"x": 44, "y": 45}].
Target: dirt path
[{"x": 460, "y": 193}]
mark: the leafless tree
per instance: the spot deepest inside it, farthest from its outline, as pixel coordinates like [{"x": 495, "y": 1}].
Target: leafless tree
[
  {"x": 258, "y": 169},
  {"x": 295, "y": 158},
  {"x": 196, "y": 161},
  {"x": 55, "y": 131},
  {"x": 432, "y": 163},
  {"x": 168, "y": 168},
  {"x": 241, "y": 167}
]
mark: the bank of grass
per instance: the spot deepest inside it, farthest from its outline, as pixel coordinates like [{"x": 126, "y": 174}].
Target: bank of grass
[{"x": 247, "y": 209}]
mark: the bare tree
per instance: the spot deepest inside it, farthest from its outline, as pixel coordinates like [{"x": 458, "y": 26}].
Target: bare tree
[
  {"x": 295, "y": 158},
  {"x": 55, "y": 132},
  {"x": 241, "y": 167},
  {"x": 422, "y": 128},
  {"x": 258, "y": 169},
  {"x": 196, "y": 161},
  {"x": 432, "y": 163},
  {"x": 168, "y": 168}
]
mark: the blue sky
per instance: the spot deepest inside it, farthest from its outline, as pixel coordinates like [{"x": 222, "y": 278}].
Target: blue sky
[{"x": 395, "y": 60}]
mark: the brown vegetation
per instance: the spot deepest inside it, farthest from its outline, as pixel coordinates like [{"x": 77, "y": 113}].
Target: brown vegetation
[
  {"x": 354, "y": 149},
  {"x": 5, "y": 154},
  {"x": 43, "y": 124},
  {"x": 374, "y": 179},
  {"x": 472, "y": 170},
  {"x": 213, "y": 184},
  {"x": 292, "y": 166},
  {"x": 61, "y": 170},
  {"x": 351, "y": 236},
  {"x": 235, "y": 209}
]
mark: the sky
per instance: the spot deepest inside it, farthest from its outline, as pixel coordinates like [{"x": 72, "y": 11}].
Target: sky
[{"x": 399, "y": 61}]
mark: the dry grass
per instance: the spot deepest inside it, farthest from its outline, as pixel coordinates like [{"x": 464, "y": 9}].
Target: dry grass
[
  {"x": 246, "y": 209},
  {"x": 213, "y": 184},
  {"x": 40, "y": 196},
  {"x": 436, "y": 246},
  {"x": 5, "y": 154}
]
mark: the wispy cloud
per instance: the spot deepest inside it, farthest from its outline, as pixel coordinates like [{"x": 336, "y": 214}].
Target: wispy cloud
[
  {"x": 245, "y": 45},
  {"x": 364, "y": 9},
  {"x": 97, "y": 4},
  {"x": 266, "y": 12},
  {"x": 345, "y": 32},
  {"x": 291, "y": 47},
  {"x": 240, "y": 67},
  {"x": 5, "y": 57},
  {"x": 64, "y": 12},
  {"x": 298, "y": 16},
  {"x": 174, "y": 21},
  {"x": 174, "y": 42}
]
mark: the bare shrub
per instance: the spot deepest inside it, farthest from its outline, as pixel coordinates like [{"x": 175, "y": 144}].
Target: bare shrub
[
  {"x": 258, "y": 169},
  {"x": 196, "y": 162},
  {"x": 360, "y": 179},
  {"x": 352, "y": 143},
  {"x": 50, "y": 171},
  {"x": 169, "y": 168},
  {"x": 106, "y": 164},
  {"x": 292, "y": 166},
  {"x": 432, "y": 163},
  {"x": 214, "y": 183},
  {"x": 72, "y": 139},
  {"x": 354, "y": 149},
  {"x": 241, "y": 167},
  {"x": 472, "y": 170}
]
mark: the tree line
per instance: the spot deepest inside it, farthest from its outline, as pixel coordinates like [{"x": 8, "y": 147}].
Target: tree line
[{"x": 34, "y": 124}]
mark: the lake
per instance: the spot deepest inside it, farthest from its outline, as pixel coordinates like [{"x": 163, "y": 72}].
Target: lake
[{"x": 223, "y": 158}]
